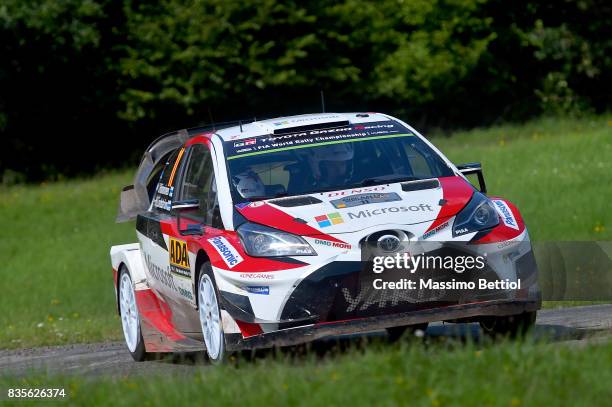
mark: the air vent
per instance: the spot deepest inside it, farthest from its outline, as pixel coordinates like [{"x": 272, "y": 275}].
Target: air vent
[
  {"x": 420, "y": 185},
  {"x": 318, "y": 126},
  {"x": 297, "y": 201}
]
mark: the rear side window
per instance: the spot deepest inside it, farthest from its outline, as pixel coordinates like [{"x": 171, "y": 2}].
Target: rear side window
[
  {"x": 199, "y": 183},
  {"x": 165, "y": 188},
  {"x": 196, "y": 184}
]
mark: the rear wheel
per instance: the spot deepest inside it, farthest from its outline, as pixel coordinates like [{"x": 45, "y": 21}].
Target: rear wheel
[
  {"x": 511, "y": 325},
  {"x": 396, "y": 332},
  {"x": 210, "y": 315},
  {"x": 130, "y": 320}
]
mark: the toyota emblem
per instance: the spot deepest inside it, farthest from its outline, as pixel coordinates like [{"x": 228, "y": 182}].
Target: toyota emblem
[{"x": 388, "y": 243}]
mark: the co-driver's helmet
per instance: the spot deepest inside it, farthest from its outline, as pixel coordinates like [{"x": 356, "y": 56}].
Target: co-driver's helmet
[{"x": 248, "y": 184}]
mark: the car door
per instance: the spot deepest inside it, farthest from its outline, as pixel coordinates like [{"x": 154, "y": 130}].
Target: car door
[
  {"x": 169, "y": 251},
  {"x": 196, "y": 182},
  {"x": 152, "y": 229}
]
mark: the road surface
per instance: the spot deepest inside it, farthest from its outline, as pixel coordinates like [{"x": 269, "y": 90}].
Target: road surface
[{"x": 574, "y": 325}]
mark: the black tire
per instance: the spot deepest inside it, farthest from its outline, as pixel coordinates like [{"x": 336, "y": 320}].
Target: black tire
[
  {"x": 397, "y": 332},
  {"x": 139, "y": 354},
  {"x": 513, "y": 326},
  {"x": 221, "y": 355}
]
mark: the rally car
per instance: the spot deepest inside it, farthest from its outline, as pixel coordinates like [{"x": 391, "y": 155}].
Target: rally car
[{"x": 261, "y": 234}]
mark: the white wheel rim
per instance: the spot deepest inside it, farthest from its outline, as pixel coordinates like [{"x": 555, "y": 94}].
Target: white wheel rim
[
  {"x": 209, "y": 316},
  {"x": 129, "y": 312}
]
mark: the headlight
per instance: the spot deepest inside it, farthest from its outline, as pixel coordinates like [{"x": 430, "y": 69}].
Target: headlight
[
  {"x": 479, "y": 214},
  {"x": 262, "y": 241}
]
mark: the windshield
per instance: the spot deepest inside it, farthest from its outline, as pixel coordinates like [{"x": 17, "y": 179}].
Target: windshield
[{"x": 329, "y": 159}]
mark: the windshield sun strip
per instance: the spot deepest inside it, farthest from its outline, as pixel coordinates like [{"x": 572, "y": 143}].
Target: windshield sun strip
[{"x": 323, "y": 143}]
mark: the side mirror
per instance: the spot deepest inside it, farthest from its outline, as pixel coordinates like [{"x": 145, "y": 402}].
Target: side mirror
[
  {"x": 192, "y": 229},
  {"x": 474, "y": 168}
]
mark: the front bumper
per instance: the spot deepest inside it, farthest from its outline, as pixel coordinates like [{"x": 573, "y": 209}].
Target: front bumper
[
  {"x": 308, "y": 333},
  {"x": 346, "y": 290}
]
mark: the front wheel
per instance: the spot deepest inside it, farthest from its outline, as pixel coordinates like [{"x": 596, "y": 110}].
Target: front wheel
[
  {"x": 210, "y": 315},
  {"x": 130, "y": 320},
  {"x": 511, "y": 325}
]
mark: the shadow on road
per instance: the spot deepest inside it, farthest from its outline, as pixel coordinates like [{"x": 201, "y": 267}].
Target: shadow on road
[
  {"x": 450, "y": 334},
  {"x": 576, "y": 325}
]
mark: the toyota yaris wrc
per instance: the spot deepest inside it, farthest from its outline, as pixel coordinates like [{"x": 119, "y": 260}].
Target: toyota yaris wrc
[{"x": 269, "y": 234}]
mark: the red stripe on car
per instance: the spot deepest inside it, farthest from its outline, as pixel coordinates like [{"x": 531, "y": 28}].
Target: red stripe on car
[
  {"x": 157, "y": 314},
  {"x": 456, "y": 192},
  {"x": 268, "y": 215},
  {"x": 501, "y": 232},
  {"x": 248, "y": 329}
]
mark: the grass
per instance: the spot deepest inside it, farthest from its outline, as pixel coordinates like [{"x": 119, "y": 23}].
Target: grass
[
  {"x": 56, "y": 280},
  {"x": 56, "y": 275},
  {"x": 512, "y": 374},
  {"x": 557, "y": 171}
]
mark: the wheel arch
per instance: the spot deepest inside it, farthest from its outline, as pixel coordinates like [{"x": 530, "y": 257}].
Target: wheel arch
[
  {"x": 201, "y": 258},
  {"x": 128, "y": 256},
  {"x": 120, "y": 268}
]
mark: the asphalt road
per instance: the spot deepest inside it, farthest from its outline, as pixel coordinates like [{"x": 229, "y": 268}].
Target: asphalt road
[{"x": 573, "y": 326}]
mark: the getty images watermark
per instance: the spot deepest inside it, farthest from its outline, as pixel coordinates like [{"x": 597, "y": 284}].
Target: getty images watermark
[{"x": 437, "y": 264}]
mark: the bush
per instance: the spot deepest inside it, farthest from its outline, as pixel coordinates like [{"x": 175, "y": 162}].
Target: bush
[{"x": 118, "y": 73}]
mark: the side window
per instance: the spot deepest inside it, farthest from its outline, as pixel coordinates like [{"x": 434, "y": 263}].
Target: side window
[
  {"x": 199, "y": 183},
  {"x": 165, "y": 188},
  {"x": 196, "y": 182}
]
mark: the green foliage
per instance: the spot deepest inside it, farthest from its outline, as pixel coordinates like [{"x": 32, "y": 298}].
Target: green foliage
[
  {"x": 576, "y": 52},
  {"x": 219, "y": 50},
  {"x": 125, "y": 71}
]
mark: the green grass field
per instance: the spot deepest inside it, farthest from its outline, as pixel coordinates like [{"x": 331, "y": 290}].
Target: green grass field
[
  {"x": 56, "y": 280},
  {"x": 510, "y": 375}
]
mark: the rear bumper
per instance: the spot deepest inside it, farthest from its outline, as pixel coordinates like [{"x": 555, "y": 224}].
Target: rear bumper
[{"x": 308, "y": 333}]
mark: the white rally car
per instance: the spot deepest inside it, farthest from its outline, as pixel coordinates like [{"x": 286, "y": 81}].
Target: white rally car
[{"x": 258, "y": 235}]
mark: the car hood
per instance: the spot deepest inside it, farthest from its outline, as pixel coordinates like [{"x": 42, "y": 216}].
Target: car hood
[{"x": 351, "y": 210}]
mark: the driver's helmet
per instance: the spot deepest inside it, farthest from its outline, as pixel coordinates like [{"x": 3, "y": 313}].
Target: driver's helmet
[
  {"x": 334, "y": 152},
  {"x": 249, "y": 184}
]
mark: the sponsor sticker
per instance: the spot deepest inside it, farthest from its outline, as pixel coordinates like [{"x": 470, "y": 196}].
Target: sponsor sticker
[
  {"x": 366, "y": 213},
  {"x": 228, "y": 253},
  {"x": 164, "y": 190},
  {"x": 161, "y": 203},
  {"x": 258, "y": 289},
  {"x": 338, "y": 245},
  {"x": 265, "y": 276},
  {"x": 364, "y": 199},
  {"x": 435, "y": 230},
  {"x": 461, "y": 231},
  {"x": 377, "y": 188},
  {"x": 179, "y": 256},
  {"x": 160, "y": 274},
  {"x": 314, "y": 137},
  {"x": 506, "y": 214},
  {"x": 305, "y": 119},
  {"x": 242, "y": 143},
  {"x": 329, "y": 219}
]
